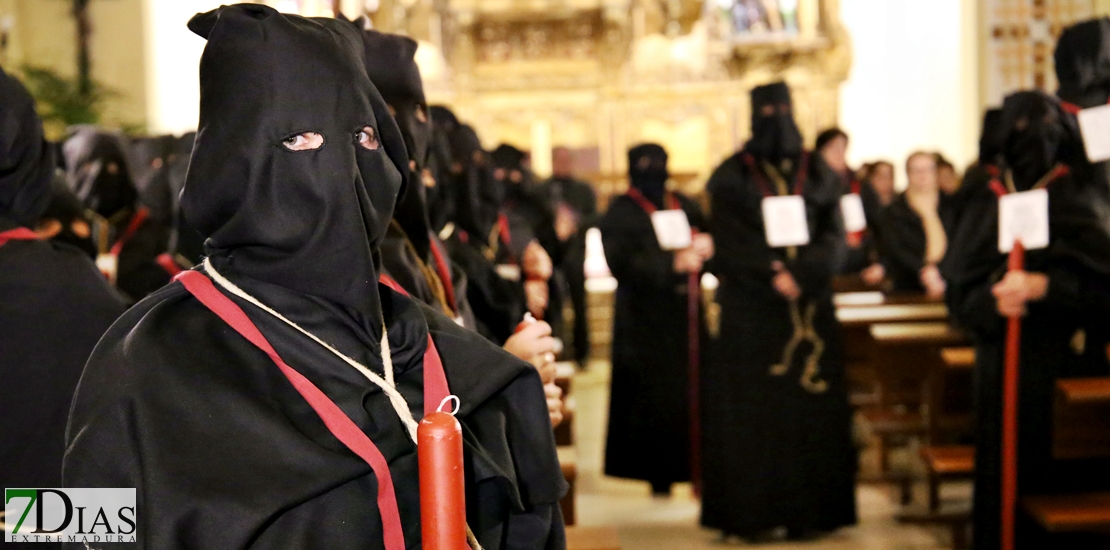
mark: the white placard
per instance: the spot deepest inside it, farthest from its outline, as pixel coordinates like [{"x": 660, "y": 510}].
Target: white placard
[
  {"x": 1094, "y": 123},
  {"x": 851, "y": 208},
  {"x": 672, "y": 229},
  {"x": 509, "y": 272},
  {"x": 1023, "y": 216},
  {"x": 784, "y": 221}
]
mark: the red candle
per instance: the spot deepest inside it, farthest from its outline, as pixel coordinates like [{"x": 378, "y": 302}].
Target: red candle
[{"x": 442, "y": 485}]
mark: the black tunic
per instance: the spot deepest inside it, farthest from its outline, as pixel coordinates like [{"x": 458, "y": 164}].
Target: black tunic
[
  {"x": 56, "y": 306},
  {"x": 775, "y": 453},
  {"x": 1077, "y": 263},
  {"x": 649, "y": 421},
  {"x": 1071, "y": 305},
  {"x": 220, "y": 445}
]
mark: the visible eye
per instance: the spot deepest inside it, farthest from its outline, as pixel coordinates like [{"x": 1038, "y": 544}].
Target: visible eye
[
  {"x": 112, "y": 168},
  {"x": 303, "y": 142},
  {"x": 767, "y": 110},
  {"x": 392, "y": 111},
  {"x": 1021, "y": 124},
  {"x": 367, "y": 138},
  {"x": 421, "y": 115}
]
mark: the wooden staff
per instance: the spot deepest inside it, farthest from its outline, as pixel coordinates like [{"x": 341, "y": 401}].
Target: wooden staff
[
  {"x": 1010, "y": 380},
  {"x": 693, "y": 294}
]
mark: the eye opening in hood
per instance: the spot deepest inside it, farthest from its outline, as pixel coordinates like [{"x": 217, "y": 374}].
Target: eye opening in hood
[
  {"x": 370, "y": 142},
  {"x": 303, "y": 141}
]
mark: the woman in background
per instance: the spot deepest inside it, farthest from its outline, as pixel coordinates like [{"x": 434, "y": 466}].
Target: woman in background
[{"x": 914, "y": 240}]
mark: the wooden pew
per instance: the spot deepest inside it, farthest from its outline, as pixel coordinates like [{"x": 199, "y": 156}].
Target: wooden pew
[
  {"x": 861, "y": 361},
  {"x": 1082, "y": 419},
  {"x": 1081, "y": 430},
  {"x": 906, "y": 355},
  {"x": 945, "y": 463},
  {"x": 593, "y": 538}
]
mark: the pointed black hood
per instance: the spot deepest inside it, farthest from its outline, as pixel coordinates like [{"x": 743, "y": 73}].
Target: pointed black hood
[
  {"x": 391, "y": 65},
  {"x": 1083, "y": 63},
  {"x": 1036, "y": 134},
  {"x": 306, "y": 220},
  {"x": 26, "y": 159},
  {"x": 647, "y": 171},
  {"x": 775, "y": 135}
]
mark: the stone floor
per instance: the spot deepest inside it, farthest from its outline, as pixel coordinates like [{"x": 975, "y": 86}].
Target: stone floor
[{"x": 647, "y": 523}]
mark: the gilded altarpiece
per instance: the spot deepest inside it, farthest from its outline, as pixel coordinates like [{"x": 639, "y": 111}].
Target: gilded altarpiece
[{"x": 602, "y": 75}]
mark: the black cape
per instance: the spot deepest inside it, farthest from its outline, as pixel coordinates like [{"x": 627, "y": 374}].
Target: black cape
[
  {"x": 775, "y": 454},
  {"x": 649, "y": 421},
  {"x": 903, "y": 246}
]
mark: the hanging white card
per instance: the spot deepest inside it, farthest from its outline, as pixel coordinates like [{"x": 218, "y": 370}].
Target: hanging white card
[
  {"x": 1094, "y": 123},
  {"x": 1023, "y": 216},
  {"x": 851, "y": 208},
  {"x": 784, "y": 221},
  {"x": 672, "y": 229},
  {"x": 509, "y": 272}
]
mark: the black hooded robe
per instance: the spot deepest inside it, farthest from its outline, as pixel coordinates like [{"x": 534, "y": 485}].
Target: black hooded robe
[
  {"x": 54, "y": 306},
  {"x": 775, "y": 453},
  {"x": 223, "y": 452},
  {"x": 649, "y": 421},
  {"x": 1076, "y": 265}
]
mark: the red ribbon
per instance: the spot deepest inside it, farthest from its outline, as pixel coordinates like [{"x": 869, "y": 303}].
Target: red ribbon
[
  {"x": 168, "y": 264},
  {"x": 17, "y": 234},
  {"x": 506, "y": 236},
  {"x": 1000, "y": 190},
  {"x": 338, "y": 423},
  {"x": 133, "y": 226}
]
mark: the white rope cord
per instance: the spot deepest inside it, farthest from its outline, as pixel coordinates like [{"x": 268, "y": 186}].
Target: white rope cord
[{"x": 387, "y": 385}]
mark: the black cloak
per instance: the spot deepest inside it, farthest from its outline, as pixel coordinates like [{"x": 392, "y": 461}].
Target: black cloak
[
  {"x": 1077, "y": 263},
  {"x": 97, "y": 172},
  {"x": 498, "y": 303},
  {"x": 777, "y": 447},
  {"x": 904, "y": 243},
  {"x": 55, "y": 305},
  {"x": 223, "y": 451},
  {"x": 649, "y": 421},
  {"x": 412, "y": 253}
]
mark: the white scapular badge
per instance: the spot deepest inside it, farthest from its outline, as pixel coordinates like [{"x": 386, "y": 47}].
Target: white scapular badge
[
  {"x": 851, "y": 208},
  {"x": 1023, "y": 216},
  {"x": 784, "y": 221},
  {"x": 1094, "y": 123},
  {"x": 672, "y": 229}
]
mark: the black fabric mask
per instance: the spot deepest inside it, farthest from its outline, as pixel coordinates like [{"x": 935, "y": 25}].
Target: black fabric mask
[
  {"x": 391, "y": 66},
  {"x": 97, "y": 172},
  {"x": 990, "y": 145},
  {"x": 306, "y": 220},
  {"x": 479, "y": 198},
  {"x": 775, "y": 135},
  {"x": 647, "y": 171},
  {"x": 1083, "y": 63},
  {"x": 1037, "y": 134},
  {"x": 26, "y": 159}
]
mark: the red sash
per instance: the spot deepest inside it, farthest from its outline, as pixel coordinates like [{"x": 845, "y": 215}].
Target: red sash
[
  {"x": 693, "y": 334},
  {"x": 137, "y": 221},
  {"x": 1000, "y": 190},
  {"x": 17, "y": 234},
  {"x": 168, "y": 264},
  {"x": 506, "y": 236},
  {"x": 337, "y": 422}
]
